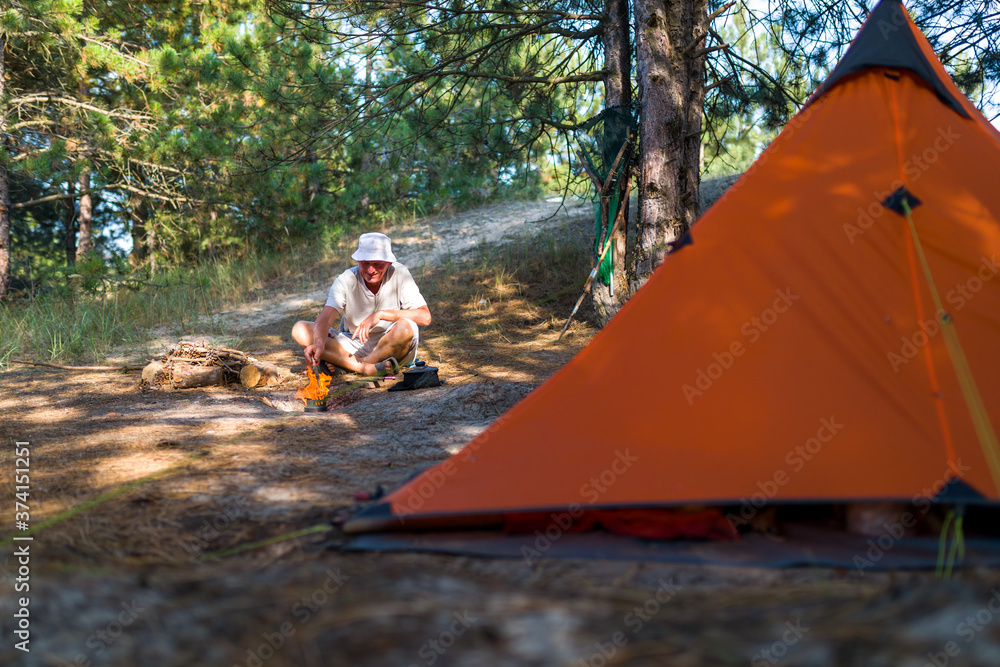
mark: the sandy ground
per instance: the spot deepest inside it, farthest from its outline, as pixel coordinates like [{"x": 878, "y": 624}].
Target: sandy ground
[{"x": 171, "y": 511}]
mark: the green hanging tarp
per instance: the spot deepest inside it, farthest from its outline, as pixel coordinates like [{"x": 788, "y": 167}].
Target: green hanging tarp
[
  {"x": 605, "y": 272},
  {"x": 601, "y": 139}
]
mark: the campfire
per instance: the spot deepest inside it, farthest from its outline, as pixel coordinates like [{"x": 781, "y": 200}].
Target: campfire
[{"x": 315, "y": 392}]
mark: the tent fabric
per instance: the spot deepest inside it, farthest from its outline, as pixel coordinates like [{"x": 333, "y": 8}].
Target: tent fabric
[{"x": 790, "y": 354}]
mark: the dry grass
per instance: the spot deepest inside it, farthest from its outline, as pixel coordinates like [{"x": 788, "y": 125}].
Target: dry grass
[
  {"x": 514, "y": 291},
  {"x": 85, "y": 321}
]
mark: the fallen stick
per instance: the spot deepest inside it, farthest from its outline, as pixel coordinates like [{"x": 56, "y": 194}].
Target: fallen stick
[
  {"x": 192, "y": 352},
  {"x": 77, "y": 368}
]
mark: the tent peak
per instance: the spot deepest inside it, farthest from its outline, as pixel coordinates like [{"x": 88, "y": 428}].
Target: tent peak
[{"x": 888, "y": 38}]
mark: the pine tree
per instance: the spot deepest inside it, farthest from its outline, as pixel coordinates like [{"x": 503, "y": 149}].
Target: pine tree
[
  {"x": 4, "y": 179},
  {"x": 65, "y": 126}
]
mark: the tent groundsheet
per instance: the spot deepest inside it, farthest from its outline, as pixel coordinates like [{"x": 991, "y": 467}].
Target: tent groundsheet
[{"x": 801, "y": 545}]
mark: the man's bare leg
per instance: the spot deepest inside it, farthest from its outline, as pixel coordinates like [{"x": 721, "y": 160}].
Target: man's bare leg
[
  {"x": 395, "y": 343},
  {"x": 332, "y": 352}
]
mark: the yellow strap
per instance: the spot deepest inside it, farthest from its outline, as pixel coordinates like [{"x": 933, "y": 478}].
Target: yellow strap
[
  {"x": 947, "y": 557},
  {"x": 973, "y": 400},
  {"x": 957, "y": 552},
  {"x": 943, "y": 543}
]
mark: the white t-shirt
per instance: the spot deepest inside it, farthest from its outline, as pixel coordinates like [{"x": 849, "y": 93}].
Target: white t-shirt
[{"x": 355, "y": 301}]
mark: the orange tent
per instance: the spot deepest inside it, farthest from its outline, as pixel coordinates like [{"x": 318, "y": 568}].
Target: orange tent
[{"x": 794, "y": 352}]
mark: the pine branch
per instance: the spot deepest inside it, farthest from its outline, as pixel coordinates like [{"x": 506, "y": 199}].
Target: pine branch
[
  {"x": 69, "y": 101},
  {"x": 548, "y": 81}
]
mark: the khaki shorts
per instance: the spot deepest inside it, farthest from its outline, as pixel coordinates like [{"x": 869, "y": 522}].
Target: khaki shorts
[{"x": 353, "y": 347}]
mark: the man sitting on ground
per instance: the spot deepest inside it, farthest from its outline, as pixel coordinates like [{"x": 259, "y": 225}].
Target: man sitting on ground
[{"x": 380, "y": 307}]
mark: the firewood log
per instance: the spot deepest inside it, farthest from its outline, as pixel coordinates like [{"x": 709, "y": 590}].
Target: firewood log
[
  {"x": 150, "y": 371},
  {"x": 259, "y": 372},
  {"x": 185, "y": 376}
]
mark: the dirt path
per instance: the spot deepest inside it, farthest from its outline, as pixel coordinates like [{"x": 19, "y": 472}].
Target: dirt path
[{"x": 149, "y": 487}]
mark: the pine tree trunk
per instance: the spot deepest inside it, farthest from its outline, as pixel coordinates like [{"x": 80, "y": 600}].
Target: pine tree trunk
[
  {"x": 671, "y": 77},
  {"x": 138, "y": 211},
  {"x": 366, "y": 157},
  {"x": 85, "y": 242},
  {"x": 151, "y": 238},
  {"x": 313, "y": 186},
  {"x": 4, "y": 187},
  {"x": 84, "y": 234},
  {"x": 4, "y": 230},
  {"x": 617, "y": 92},
  {"x": 69, "y": 226}
]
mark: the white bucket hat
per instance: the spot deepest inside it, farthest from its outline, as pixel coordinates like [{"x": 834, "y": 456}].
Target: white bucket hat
[{"x": 374, "y": 247}]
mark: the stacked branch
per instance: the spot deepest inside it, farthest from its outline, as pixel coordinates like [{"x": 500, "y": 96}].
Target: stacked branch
[{"x": 189, "y": 365}]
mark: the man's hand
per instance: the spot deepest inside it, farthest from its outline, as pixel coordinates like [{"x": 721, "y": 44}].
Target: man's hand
[
  {"x": 313, "y": 353},
  {"x": 319, "y": 335},
  {"x": 361, "y": 333}
]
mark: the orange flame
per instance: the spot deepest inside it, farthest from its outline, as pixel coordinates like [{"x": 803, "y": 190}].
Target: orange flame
[{"x": 317, "y": 389}]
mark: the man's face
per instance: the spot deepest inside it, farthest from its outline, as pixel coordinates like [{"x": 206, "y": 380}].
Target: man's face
[{"x": 373, "y": 272}]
